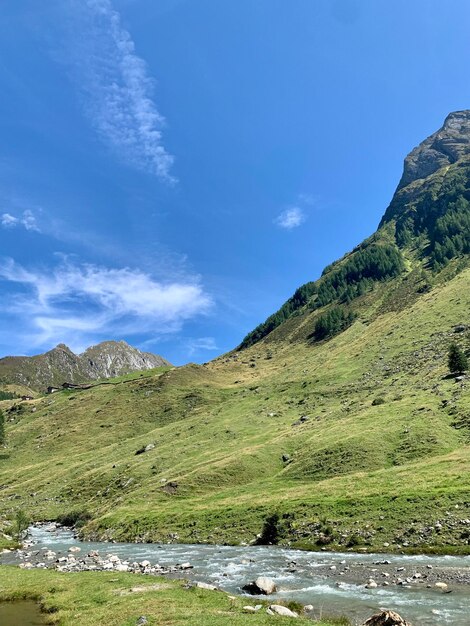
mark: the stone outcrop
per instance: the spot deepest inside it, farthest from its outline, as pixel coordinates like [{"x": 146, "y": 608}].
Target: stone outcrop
[
  {"x": 446, "y": 146},
  {"x": 386, "y": 618}
]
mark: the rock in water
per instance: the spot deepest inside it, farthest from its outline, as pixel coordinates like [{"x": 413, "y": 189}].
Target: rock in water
[
  {"x": 261, "y": 586},
  {"x": 386, "y": 618}
]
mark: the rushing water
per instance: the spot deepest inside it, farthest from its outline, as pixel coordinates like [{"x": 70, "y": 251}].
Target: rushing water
[{"x": 311, "y": 583}]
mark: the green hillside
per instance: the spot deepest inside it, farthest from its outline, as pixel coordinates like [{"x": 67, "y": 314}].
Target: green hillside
[{"x": 335, "y": 423}]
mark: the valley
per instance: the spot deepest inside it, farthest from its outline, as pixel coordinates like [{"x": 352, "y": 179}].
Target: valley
[{"x": 338, "y": 425}]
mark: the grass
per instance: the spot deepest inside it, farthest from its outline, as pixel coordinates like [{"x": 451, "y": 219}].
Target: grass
[
  {"x": 8, "y": 544},
  {"x": 111, "y": 599},
  {"x": 371, "y": 472}
]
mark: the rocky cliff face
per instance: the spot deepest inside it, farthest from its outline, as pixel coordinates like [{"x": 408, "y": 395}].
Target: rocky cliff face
[
  {"x": 112, "y": 358},
  {"x": 59, "y": 365},
  {"x": 446, "y": 146},
  {"x": 434, "y": 166}
]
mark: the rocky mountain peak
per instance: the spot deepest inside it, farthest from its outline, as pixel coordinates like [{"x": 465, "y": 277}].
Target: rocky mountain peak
[
  {"x": 446, "y": 146},
  {"x": 61, "y": 346},
  {"x": 59, "y": 365}
]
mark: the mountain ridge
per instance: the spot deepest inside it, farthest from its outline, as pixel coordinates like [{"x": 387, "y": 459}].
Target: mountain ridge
[{"x": 107, "y": 359}]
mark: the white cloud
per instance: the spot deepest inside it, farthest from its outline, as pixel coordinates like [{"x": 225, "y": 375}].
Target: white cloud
[
  {"x": 77, "y": 303},
  {"x": 9, "y": 221},
  {"x": 118, "y": 90},
  {"x": 290, "y": 218},
  {"x": 27, "y": 220},
  {"x": 201, "y": 343}
]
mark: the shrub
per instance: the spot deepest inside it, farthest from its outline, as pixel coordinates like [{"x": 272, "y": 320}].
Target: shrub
[
  {"x": 355, "y": 540},
  {"x": 74, "y": 518},
  {"x": 20, "y": 525},
  {"x": 456, "y": 359},
  {"x": 7, "y": 395},
  {"x": 378, "y": 400}
]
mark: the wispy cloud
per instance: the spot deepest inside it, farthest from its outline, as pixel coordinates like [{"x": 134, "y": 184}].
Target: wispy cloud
[
  {"x": 77, "y": 303},
  {"x": 201, "y": 343},
  {"x": 290, "y": 218},
  {"x": 117, "y": 87},
  {"x": 26, "y": 220},
  {"x": 307, "y": 199}
]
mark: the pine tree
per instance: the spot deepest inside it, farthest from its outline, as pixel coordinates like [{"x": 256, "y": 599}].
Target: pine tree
[{"x": 456, "y": 359}]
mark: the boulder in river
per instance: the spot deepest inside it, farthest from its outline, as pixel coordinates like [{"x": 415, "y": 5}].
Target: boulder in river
[
  {"x": 441, "y": 585},
  {"x": 261, "y": 586},
  {"x": 386, "y": 618}
]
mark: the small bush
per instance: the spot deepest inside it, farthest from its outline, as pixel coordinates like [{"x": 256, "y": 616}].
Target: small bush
[
  {"x": 456, "y": 359},
  {"x": 7, "y": 395},
  {"x": 295, "y": 606},
  {"x": 270, "y": 532},
  {"x": 377, "y": 401},
  {"x": 20, "y": 525},
  {"x": 74, "y": 518},
  {"x": 355, "y": 540}
]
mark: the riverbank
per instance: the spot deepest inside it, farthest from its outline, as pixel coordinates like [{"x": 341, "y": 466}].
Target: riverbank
[
  {"x": 426, "y": 590},
  {"x": 120, "y": 599}
]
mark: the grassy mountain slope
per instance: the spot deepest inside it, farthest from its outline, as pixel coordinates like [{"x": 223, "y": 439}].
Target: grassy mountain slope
[
  {"x": 348, "y": 436},
  {"x": 386, "y": 437}
]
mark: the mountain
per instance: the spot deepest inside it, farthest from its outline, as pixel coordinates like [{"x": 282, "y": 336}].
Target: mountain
[
  {"x": 429, "y": 215},
  {"x": 105, "y": 360},
  {"x": 335, "y": 423}
]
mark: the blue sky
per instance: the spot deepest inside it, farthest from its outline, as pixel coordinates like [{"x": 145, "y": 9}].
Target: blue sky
[{"x": 172, "y": 170}]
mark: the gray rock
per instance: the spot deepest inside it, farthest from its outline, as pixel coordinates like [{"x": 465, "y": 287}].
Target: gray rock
[
  {"x": 443, "y": 148},
  {"x": 278, "y": 609},
  {"x": 261, "y": 586},
  {"x": 440, "y": 585}
]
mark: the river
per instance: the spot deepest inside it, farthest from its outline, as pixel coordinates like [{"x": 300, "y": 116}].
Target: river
[{"x": 334, "y": 583}]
